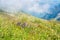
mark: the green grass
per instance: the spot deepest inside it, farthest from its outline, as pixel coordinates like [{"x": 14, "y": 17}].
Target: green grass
[{"x": 36, "y": 29}]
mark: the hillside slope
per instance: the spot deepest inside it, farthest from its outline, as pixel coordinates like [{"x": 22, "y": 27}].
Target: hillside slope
[{"x": 26, "y": 27}]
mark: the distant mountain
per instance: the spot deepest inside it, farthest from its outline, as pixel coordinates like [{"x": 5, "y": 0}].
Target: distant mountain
[
  {"x": 52, "y": 12},
  {"x": 1, "y": 10}
]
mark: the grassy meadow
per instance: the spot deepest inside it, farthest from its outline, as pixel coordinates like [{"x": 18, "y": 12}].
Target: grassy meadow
[{"x": 26, "y": 27}]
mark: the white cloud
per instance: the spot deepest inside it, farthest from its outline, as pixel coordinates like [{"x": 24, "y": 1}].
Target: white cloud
[
  {"x": 39, "y": 8},
  {"x": 12, "y": 4},
  {"x": 29, "y": 5},
  {"x": 58, "y": 14}
]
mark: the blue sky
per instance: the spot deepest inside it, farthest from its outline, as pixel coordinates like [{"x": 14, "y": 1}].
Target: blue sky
[{"x": 39, "y": 8}]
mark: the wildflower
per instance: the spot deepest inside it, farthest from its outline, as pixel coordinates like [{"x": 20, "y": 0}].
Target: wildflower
[
  {"x": 19, "y": 23},
  {"x": 24, "y": 24}
]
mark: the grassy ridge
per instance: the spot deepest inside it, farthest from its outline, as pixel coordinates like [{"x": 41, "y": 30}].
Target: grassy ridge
[{"x": 27, "y": 27}]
